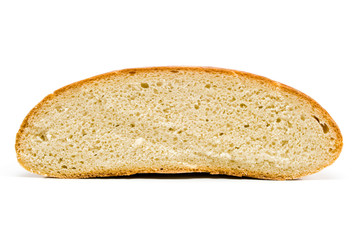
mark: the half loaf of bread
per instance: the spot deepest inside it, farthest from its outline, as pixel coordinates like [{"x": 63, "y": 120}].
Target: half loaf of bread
[{"x": 177, "y": 120}]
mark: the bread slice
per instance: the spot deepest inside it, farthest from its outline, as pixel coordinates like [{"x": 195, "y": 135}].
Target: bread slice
[{"x": 177, "y": 120}]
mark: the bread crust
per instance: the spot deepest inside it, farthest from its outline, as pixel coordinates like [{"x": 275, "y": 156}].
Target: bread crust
[{"x": 239, "y": 173}]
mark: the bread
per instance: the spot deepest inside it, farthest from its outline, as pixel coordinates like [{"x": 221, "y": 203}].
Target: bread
[{"x": 177, "y": 120}]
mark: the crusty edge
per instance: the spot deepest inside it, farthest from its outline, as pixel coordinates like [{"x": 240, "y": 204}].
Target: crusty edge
[{"x": 240, "y": 173}]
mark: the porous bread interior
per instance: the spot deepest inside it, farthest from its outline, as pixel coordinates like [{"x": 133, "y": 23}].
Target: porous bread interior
[{"x": 176, "y": 121}]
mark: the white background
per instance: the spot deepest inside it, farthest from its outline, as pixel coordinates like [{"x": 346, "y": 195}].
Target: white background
[{"x": 310, "y": 45}]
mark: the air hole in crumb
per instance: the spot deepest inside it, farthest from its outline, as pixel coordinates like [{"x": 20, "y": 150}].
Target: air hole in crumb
[
  {"x": 161, "y": 169},
  {"x": 233, "y": 99},
  {"x": 196, "y": 106},
  {"x": 82, "y": 162},
  {"x": 323, "y": 125},
  {"x": 171, "y": 129},
  {"x": 325, "y": 128},
  {"x": 174, "y": 71},
  {"x": 243, "y": 105},
  {"x": 206, "y": 120},
  {"x": 278, "y": 120},
  {"x": 132, "y": 72},
  {"x": 43, "y": 137},
  {"x": 159, "y": 84},
  {"x": 64, "y": 166},
  {"x": 303, "y": 117},
  {"x": 221, "y": 134},
  {"x": 59, "y": 109},
  {"x": 247, "y": 125},
  {"x": 260, "y": 107},
  {"x": 208, "y": 85},
  {"x": 144, "y": 85},
  {"x": 132, "y": 125}
]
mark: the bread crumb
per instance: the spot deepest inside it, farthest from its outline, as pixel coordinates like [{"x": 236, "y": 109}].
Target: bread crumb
[
  {"x": 139, "y": 141},
  {"x": 225, "y": 155}
]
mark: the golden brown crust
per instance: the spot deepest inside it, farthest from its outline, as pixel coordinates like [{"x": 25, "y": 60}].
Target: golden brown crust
[{"x": 239, "y": 173}]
